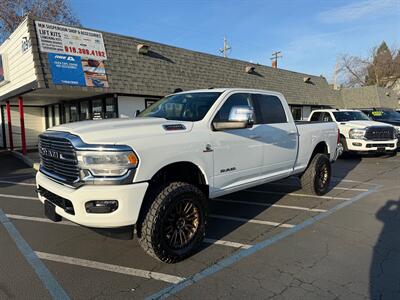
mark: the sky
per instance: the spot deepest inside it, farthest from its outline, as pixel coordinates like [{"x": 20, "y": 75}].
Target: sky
[{"x": 310, "y": 34}]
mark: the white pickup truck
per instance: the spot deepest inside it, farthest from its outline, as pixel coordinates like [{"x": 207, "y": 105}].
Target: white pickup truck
[
  {"x": 158, "y": 170},
  {"x": 358, "y": 133}
]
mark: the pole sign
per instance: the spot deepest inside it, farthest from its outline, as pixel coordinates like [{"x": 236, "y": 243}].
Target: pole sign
[{"x": 69, "y": 40}]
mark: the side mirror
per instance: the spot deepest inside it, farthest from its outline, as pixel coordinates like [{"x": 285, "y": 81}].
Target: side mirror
[{"x": 240, "y": 117}]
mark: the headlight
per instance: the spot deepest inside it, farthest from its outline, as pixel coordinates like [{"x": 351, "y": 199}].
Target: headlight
[
  {"x": 107, "y": 163},
  {"x": 357, "y": 134}
]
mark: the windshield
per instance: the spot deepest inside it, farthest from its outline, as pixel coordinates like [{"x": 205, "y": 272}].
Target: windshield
[
  {"x": 385, "y": 114},
  {"x": 183, "y": 107},
  {"x": 345, "y": 116}
]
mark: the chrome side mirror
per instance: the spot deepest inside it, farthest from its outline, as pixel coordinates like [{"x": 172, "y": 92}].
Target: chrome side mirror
[{"x": 240, "y": 117}]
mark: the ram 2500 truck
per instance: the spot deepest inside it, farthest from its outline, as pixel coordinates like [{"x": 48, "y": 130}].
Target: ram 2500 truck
[
  {"x": 158, "y": 170},
  {"x": 358, "y": 133}
]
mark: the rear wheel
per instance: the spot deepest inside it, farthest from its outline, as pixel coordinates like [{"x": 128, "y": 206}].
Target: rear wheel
[
  {"x": 174, "y": 226},
  {"x": 317, "y": 177}
]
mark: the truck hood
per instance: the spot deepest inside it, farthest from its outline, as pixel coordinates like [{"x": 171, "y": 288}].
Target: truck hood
[
  {"x": 116, "y": 131},
  {"x": 361, "y": 124}
]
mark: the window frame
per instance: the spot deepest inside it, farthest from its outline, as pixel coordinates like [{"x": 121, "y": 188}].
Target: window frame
[
  {"x": 255, "y": 108},
  {"x": 226, "y": 99}
]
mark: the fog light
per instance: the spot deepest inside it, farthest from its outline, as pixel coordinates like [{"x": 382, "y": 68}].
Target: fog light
[
  {"x": 357, "y": 144},
  {"x": 101, "y": 206}
]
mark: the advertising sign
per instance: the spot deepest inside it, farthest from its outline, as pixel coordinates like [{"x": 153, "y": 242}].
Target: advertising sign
[
  {"x": 68, "y": 40},
  {"x": 74, "y": 70},
  {"x": 66, "y": 69}
]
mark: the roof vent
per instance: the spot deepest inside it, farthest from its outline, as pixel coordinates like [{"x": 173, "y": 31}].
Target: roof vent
[
  {"x": 143, "y": 48},
  {"x": 307, "y": 80},
  {"x": 250, "y": 69}
]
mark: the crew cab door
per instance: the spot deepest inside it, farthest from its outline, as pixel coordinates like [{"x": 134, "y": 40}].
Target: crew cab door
[
  {"x": 278, "y": 134},
  {"x": 237, "y": 152}
]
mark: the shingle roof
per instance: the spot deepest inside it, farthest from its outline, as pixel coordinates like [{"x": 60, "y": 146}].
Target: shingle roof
[
  {"x": 166, "y": 68},
  {"x": 368, "y": 97}
]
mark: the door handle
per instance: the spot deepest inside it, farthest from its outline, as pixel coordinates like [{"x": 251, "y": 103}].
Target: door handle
[
  {"x": 292, "y": 132},
  {"x": 254, "y": 136}
]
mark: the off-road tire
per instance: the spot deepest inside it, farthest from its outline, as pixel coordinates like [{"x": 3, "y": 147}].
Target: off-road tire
[
  {"x": 151, "y": 236},
  {"x": 310, "y": 178},
  {"x": 345, "y": 149}
]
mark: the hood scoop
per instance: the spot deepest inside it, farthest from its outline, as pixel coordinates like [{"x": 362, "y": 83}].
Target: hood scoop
[{"x": 174, "y": 127}]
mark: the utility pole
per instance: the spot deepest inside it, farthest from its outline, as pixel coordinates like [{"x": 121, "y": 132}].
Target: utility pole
[
  {"x": 274, "y": 58},
  {"x": 226, "y": 48}
]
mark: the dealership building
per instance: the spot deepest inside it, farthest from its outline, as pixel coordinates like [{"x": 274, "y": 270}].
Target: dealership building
[{"x": 53, "y": 74}]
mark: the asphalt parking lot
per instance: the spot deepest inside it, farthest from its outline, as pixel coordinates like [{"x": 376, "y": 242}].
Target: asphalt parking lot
[{"x": 273, "y": 241}]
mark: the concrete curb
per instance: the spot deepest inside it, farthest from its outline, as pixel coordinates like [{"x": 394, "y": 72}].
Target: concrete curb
[{"x": 26, "y": 160}]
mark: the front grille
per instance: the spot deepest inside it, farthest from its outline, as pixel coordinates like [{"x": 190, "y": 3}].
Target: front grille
[
  {"x": 379, "y": 145},
  {"x": 58, "y": 159},
  {"x": 57, "y": 200},
  {"x": 379, "y": 133}
]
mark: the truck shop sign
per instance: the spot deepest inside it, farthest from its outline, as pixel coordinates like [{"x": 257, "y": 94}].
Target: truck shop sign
[{"x": 69, "y": 40}]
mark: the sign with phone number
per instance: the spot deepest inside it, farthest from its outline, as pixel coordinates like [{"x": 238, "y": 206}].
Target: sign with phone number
[{"x": 70, "y": 40}]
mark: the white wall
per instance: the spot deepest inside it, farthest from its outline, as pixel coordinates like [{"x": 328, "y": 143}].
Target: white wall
[
  {"x": 19, "y": 68},
  {"x": 127, "y": 106},
  {"x": 306, "y": 112},
  {"x": 34, "y": 125}
]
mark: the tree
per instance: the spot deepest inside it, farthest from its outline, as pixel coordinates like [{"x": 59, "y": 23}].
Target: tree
[
  {"x": 12, "y": 12},
  {"x": 380, "y": 67}
]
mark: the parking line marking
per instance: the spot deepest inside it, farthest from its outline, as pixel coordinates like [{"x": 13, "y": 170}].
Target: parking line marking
[
  {"x": 254, "y": 221},
  {"x": 237, "y": 256},
  {"x": 68, "y": 223},
  {"x": 37, "y": 219},
  {"x": 48, "y": 280},
  {"x": 299, "y": 195},
  {"x": 19, "y": 197},
  {"x": 270, "y": 205},
  {"x": 108, "y": 267},
  {"x": 227, "y": 243},
  {"x": 334, "y": 187},
  {"x": 17, "y": 183}
]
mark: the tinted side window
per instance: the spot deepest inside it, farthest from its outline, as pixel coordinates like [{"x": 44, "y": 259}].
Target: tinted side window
[
  {"x": 240, "y": 99},
  {"x": 316, "y": 116},
  {"x": 326, "y": 117},
  {"x": 268, "y": 109}
]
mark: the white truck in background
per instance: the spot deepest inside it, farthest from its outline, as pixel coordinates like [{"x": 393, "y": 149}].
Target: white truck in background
[
  {"x": 157, "y": 171},
  {"x": 358, "y": 133}
]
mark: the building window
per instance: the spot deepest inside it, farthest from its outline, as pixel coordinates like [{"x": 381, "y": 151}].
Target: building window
[
  {"x": 73, "y": 112},
  {"x": 84, "y": 111},
  {"x": 296, "y": 113},
  {"x": 111, "y": 108},
  {"x": 97, "y": 108}
]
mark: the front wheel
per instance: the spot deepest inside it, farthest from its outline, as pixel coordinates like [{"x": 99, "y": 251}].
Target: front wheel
[
  {"x": 174, "y": 226},
  {"x": 317, "y": 177}
]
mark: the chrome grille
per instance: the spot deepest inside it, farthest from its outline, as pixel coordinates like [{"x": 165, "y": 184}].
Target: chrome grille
[
  {"x": 58, "y": 159},
  {"x": 379, "y": 133}
]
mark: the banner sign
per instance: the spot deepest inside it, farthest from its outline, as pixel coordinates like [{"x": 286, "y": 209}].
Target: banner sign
[
  {"x": 66, "y": 69},
  {"x": 68, "y": 40},
  {"x": 74, "y": 70}
]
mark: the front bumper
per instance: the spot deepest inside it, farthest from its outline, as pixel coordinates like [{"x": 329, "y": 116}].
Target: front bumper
[
  {"x": 368, "y": 146},
  {"x": 129, "y": 197}
]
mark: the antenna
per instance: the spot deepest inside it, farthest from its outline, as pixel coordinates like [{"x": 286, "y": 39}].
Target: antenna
[
  {"x": 226, "y": 48},
  {"x": 274, "y": 58}
]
